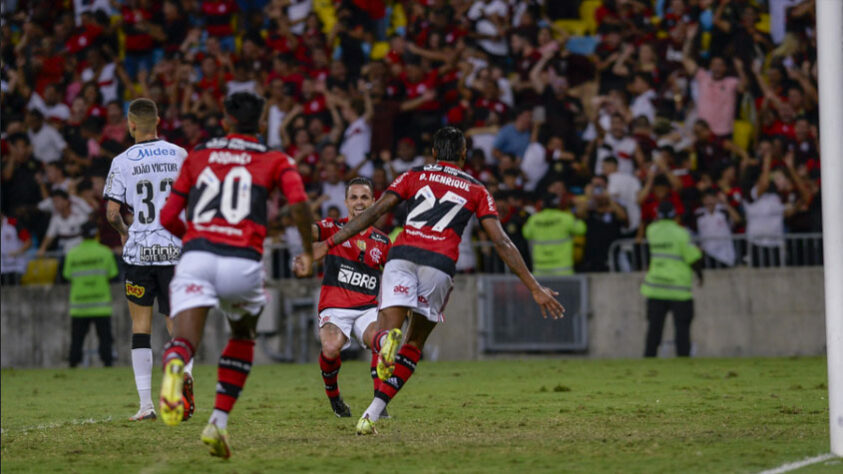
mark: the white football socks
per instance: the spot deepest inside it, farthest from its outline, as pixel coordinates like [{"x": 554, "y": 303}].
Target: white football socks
[
  {"x": 375, "y": 409},
  {"x": 219, "y": 418},
  {"x": 142, "y": 366}
]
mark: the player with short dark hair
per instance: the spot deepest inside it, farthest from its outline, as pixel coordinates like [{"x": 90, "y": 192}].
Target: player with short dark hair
[
  {"x": 223, "y": 188},
  {"x": 348, "y": 301},
  {"x": 418, "y": 274},
  {"x": 141, "y": 178}
]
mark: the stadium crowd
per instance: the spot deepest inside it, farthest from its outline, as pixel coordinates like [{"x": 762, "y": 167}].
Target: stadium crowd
[{"x": 601, "y": 108}]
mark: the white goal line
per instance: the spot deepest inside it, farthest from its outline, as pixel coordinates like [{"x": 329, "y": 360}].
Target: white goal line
[
  {"x": 792, "y": 466},
  {"x": 49, "y": 426}
]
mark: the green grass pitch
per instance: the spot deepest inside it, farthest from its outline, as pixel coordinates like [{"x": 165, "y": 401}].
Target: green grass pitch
[{"x": 536, "y": 415}]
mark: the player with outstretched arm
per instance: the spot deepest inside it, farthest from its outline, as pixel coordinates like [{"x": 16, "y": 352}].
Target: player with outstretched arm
[
  {"x": 418, "y": 274},
  {"x": 223, "y": 188},
  {"x": 348, "y": 302},
  {"x": 142, "y": 177}
]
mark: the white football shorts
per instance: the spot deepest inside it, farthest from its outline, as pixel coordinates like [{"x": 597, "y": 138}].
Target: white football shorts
[
  {"x": 421, "y": 288},
  {"x": 233, "y": 284},
  {"x": 350, "y": 321}
]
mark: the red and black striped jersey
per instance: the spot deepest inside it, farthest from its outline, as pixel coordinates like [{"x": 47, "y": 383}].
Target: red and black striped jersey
[
  {"x": 442, "y": 198},
  {"x": 353, "y": 268},
  {"x": 226, "y": 183}
]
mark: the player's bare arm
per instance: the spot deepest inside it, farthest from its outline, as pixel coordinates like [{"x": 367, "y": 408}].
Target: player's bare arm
[
  {"x": 357, "y": 225},
  {"x": 112, "y": 214},
  {"x": 544, "y": 297},
  {"x": 304, "y": 221}
]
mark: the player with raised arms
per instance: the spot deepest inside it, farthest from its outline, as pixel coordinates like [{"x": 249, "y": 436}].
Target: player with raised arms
[
  {"x": 418, "y": 274},
  {"x": 223, "y": 187},
  {"x": 348, "y": 299},
  {"x": 141, "y": 177}
]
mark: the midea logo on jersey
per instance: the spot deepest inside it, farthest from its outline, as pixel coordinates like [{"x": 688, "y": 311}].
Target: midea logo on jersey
[
  {"x": 141, "y": 153},
  {"x": 357, "y": 279}
]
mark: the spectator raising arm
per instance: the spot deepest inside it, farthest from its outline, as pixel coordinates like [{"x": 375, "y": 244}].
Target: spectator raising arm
[
  {"x": 413, "y": 104},
  {"x": 805, "y": 194},
  {"x": 687, "y": 61},
  {"x": 763, "y": 182},
  {"x": 285, "y": 124}
]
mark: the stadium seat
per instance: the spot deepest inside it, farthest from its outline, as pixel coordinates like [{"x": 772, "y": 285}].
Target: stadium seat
[
  {"x": 587, "y": 10},
  {"x": 579, "y": 248},
  {"x": 41, "y": 271},
  {"x": 574, "y": 27},
  {"x": 705, "y": 42},
  {"x": 397, "y": 20},
  {"x": 742, "y": 135},
  {"x": 327, "y": 14},
  {"x": 763, "y": 24},
  {"x": 379, "y": 50},
  {"x": 584, "y": 45}
]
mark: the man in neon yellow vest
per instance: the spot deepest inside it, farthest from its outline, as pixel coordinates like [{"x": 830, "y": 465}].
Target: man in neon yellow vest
[
  {"x": 667, "y": 286},
  {"x": 550, "y": 232},
  {"x": 89, "y": 266}
]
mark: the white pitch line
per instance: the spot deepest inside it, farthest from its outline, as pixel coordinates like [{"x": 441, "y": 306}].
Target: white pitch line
[
  {"x": 49, "y": 426},
  {"x": 792, "y": 466}
]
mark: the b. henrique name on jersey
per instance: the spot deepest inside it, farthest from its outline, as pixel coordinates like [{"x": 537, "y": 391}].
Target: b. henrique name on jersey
[
  {"x": 353, "y": 269},
  {"x": 441, "y": 200},
  {"x": 141, "y": 177}
]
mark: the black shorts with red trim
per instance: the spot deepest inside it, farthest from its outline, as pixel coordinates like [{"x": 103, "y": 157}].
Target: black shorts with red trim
[{"x": 146, "y": 283}]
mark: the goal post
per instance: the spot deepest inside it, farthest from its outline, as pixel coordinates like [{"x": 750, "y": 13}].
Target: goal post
[{"x": 830, "y": 63}]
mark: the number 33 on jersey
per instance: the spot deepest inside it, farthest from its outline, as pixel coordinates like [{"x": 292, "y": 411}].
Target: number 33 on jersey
[
  {"x": 226, "y": 183},
  {"x": 141, "y": 177},
  {"x": 441, "y": 200}
]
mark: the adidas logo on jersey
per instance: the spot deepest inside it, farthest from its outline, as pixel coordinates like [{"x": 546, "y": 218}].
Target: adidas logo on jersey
[{"x": 353, "y": 278}]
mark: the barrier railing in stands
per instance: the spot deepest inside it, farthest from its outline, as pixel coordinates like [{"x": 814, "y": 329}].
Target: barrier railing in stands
[
  {"x": 789, "y": 250},
  {"x": 625, "y": 255}
]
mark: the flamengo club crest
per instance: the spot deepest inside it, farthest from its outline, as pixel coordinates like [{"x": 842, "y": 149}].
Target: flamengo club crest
[{"x": 375, "y": 254}]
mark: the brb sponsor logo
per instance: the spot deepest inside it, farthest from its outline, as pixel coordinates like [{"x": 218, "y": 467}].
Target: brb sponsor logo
[
  {"x": 350, "y": 277},
  {"x": 135, "y": 290},
  {"x": 401, "y": 289}
]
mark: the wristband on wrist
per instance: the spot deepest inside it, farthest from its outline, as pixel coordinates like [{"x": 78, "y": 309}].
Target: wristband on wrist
[{"x": 331, "y": 243}]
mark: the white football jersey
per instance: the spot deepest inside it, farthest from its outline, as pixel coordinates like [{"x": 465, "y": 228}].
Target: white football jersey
[{"x": 142, "y": 177}]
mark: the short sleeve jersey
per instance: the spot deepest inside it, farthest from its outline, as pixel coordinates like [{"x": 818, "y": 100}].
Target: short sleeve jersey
[
  {"x": 441, "y": 200},
  {"x": 352, "y": 269},
  {"x": 141, "y": 177},
  {"x": 227, "y": 182}
]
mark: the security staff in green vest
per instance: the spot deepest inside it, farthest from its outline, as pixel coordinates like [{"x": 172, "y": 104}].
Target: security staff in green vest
[
  {"x": 667, "y": 286},
  {"x": 89, "y": 266},
  {"x": 550, "y": 232}
]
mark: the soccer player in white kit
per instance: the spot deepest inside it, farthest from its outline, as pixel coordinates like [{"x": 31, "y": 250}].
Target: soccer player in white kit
[{"x": 141, "y": 177}]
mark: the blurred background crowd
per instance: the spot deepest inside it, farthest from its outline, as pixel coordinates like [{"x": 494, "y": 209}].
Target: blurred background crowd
[{"x": 602, "y": 109}]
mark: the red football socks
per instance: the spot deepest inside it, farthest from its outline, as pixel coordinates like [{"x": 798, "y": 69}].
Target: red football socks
[
  {"x": 330, "y": 371},
  {"x": 373, "y": 370},
  {"x": 405, "y": 364},
  {"x": 234, "y": 366},
  {"x": 178, "y": 347}
]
